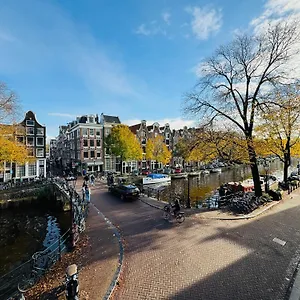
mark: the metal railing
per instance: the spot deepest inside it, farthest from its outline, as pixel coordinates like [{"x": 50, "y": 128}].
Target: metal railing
[{"x": 28, "y": 273}]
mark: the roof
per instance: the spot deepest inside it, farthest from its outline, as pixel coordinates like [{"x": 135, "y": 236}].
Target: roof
[
  {"x": 135, "y": 128},
  {"x": 111, "y": 119}
]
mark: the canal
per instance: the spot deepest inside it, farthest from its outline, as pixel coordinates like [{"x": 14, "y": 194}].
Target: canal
[
  {"x": 23, "y": 231},
  {"x": 204, "y": 185}
]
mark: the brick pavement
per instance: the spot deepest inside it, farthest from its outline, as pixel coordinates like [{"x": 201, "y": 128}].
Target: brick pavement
[{"x": 204, "y": 259}]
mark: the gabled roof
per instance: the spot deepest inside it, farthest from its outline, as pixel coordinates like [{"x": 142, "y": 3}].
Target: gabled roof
[
  {"x": 111, "y": 119},
  {"x": 135, "y": 128}
]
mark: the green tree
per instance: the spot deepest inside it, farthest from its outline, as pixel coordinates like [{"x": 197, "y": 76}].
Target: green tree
[
  {"x": 157, "y": 150},
  {"x": 279, "y": 130},
  {"x": 122, "y": 143}
]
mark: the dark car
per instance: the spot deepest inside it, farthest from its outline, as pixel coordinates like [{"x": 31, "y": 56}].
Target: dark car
[{"x": 125, "y": 191}]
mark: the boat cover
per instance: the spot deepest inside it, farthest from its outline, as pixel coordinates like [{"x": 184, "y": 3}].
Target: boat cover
[{"x": 156, "y": 176}]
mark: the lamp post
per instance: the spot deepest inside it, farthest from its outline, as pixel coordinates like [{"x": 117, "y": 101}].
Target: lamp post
[
  {"x": 188, "y": 205},
  {"x": 267, "y": 168}
]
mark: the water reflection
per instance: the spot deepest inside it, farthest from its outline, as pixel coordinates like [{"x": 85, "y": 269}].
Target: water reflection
[{"x": 202, "y": 186}]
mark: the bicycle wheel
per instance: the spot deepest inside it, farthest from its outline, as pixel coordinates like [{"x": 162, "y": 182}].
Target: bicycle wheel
[
  {"x": 166, "y": 215},
  {"x": 180, "y": 218}
]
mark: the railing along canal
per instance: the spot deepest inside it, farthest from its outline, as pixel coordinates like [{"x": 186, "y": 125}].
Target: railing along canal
[{"x": 29, "y": 272}]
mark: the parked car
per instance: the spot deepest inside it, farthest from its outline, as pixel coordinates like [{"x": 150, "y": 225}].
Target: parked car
[
  {"x": 177, "y": 170},
  {"x": 145, "y": 172},
  {"x": 135, "y": 173},
  {"x": 125, "y": 191}
]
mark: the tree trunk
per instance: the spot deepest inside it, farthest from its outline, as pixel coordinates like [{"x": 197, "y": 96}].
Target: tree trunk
[
  {"x": 121, "y": 165},
  {"x": 285, "y": 170},
  {"x": 254, "y": 168}
]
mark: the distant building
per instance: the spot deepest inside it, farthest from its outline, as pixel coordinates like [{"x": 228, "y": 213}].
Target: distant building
[
  {"x": 34, "y": 137},
  {"x": 111, "y": 162}
]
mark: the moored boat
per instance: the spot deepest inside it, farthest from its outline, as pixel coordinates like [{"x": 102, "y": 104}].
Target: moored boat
[
  {"x": 179, "y": 175},
  {"x": 216, "y": 170},
  {"x": 193, "y": 174},
  {"x": 156, "y": 178}
]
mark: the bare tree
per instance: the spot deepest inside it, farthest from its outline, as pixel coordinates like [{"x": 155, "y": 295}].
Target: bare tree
[
  {"x": 9, "y": 108},
  {"x": 237, "y": 80}
]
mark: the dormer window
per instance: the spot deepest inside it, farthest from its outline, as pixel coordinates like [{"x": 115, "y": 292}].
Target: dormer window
[{"x": 29, "y": 123}]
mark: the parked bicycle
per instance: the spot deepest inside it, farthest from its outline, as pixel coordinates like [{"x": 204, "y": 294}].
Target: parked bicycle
[{"x": 168, "y": 214}]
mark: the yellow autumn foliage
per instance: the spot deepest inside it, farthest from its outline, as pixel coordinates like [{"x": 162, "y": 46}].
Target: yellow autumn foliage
[{"x": 157, "y": 150}]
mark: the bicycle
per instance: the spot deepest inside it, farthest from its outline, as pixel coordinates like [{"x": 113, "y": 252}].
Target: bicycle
[{"x": 168, "y": 214}]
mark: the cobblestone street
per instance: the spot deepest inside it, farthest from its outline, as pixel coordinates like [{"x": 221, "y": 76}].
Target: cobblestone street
[{"x": 203, "y": 259}]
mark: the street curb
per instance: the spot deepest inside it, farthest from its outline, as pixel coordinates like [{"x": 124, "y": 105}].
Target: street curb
[
  {"x": 116, "y": 276},
  {"x": 250, "y": 216}
]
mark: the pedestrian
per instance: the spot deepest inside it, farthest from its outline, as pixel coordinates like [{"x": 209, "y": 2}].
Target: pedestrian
[
  {"x": 83, "y": 190},
  {"x": 92, "y": 179},
  {"x": 87, "y": 194}
]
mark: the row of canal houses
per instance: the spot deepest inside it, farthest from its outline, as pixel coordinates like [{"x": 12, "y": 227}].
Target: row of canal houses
[{"x": 80, "y": 144}]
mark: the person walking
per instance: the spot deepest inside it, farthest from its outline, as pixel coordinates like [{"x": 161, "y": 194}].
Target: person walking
[
  {"x": 87, "y": 194},
  {"x": 92, "y": 179}
]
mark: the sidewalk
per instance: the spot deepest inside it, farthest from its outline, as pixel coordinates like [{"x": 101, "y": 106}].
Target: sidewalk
[{"x": 97, "y": 256}]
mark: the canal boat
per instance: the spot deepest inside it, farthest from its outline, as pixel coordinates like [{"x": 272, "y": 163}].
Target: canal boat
[
  {"x": 179, "y": 176},
  {"x": 193, "y": 174},
  {"x": 205, "y": 172},
  {"x": 216, "y": 170},
  {"x": 156, "y": 178}
]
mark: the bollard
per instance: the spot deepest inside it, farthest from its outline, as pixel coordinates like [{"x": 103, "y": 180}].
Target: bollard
[{"x": 158, "y": 195}]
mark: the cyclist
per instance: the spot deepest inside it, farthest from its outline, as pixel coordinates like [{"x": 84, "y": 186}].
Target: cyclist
[{"x": 176, "y": 207}]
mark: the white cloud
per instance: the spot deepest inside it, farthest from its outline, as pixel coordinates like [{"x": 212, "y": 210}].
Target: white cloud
[
  {"x": 64, "y": 115},
  {"x": 175, "y": 123},
  {"x": 152, "y": 29},
  {"x": 205, "y": 21},
  {"x": 166, "y": 17}
]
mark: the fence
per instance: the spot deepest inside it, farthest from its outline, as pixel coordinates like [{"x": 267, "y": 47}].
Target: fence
[{"x": 29, "y": 272}]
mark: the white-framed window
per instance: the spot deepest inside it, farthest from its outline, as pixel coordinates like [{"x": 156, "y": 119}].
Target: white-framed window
[
  {"x": 39, "y": 152},
  {"x": 92, "y": 153},
  {"x": 20, "y": 139},
  {"x": 92, "y": 131},
  {"x": 40, "y": 141},
  {"x": 91, "y": 119},
  {"x": 30, "y": 141},
  {"x": 98, "y": 132},
  {"x": 98, "y": 143},
  {"x": 98, "y": 154},
  {"x": 30, "y": 152},
  {"x": 85, "y": 143},
  {"x": 92, "y": 143},
  {"x": 85, "y": 154},
  {"x": 30, "y": 123},
  {"x": 40, "y": 131},
  {"x": 84, "y": 131},
  {"x": 32, "y": 169},
  {"x": 167, "y": 135},
  {"x": 20, "y": 171},
  {"x": 41, "y": 162},
  {"x": 29, "y": 130}
]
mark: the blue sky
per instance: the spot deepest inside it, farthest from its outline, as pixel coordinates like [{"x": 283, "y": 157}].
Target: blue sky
[{"x": 132, "y": 58}]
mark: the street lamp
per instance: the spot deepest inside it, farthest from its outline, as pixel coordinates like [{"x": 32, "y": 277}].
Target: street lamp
[{"x": 267, "y": 168}]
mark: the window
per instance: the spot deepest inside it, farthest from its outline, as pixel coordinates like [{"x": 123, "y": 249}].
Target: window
[
  {"x": 39, "y": 152},
  {"x": 143, "y": 141},
  {"x": 85, "y": 143},
  {"x": 29, "y": 123},
  {"x": 30, "y": 141},
  {"x": 40, "y": 131},
  {"x": 40, "y": 141},
  {"x": 30, "y": 152},
  {"x": 31, "y": 169},
  {"x": 41, "y": 162},
  {"x": 20, "y": 171},
  {"x": 92, "y": 143},
  {"x": 98, "y": 143},
  {"x": 92, "y": 153},
  {"x": 84, "y": 131},
  {"x": 98, "y": 132},
  {"x": 167, "y": 142},
  {"x": 98, "y": 154},
  {"x": 85, "y": 154},
  {"x": 91, "y": 131},
  {"x": 167, "y": 135},
  {"x": 29, "y": 130},
  {"x": 91, "y": 119},
  {"x": 20, "y": 139}
]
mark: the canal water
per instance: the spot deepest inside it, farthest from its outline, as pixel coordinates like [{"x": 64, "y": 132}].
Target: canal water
[
  {"x": 201, "y": 187},
  {"x": 27, "y": 230}
]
